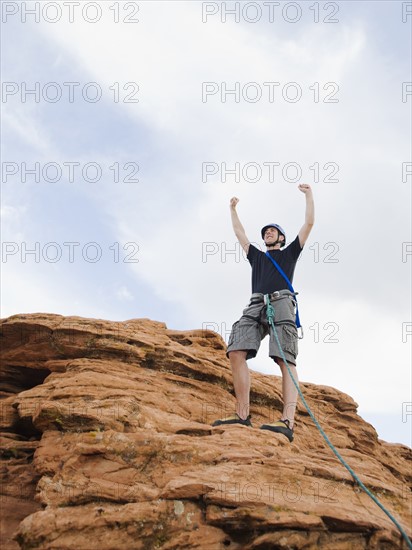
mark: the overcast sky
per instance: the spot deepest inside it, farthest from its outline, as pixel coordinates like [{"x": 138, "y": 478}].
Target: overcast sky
[{"x": 175, "y": 107}]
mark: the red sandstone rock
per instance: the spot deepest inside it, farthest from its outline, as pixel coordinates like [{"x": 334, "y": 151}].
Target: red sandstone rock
[{"x": 107, "y": 443}]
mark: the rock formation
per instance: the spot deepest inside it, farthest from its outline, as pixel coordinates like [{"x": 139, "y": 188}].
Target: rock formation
[{"x": 107, "y": 444}]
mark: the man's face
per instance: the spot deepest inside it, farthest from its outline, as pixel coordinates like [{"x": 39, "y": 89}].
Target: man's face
[{"x": 271, "y": 235}]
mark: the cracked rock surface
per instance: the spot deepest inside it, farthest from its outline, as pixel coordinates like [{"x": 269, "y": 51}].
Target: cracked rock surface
[{"x": 107, "y": 444}]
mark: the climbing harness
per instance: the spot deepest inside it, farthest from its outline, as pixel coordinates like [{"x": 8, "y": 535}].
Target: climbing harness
[
  {"x": 298, "y": 325},
  {"x": 270, "y": 313}
]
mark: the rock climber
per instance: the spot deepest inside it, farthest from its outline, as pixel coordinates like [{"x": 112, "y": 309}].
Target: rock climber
[{"x": 248, "y": 332}]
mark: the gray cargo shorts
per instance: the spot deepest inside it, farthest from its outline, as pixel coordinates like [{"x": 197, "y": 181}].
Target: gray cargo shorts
[{"x": 252, "y": 327}]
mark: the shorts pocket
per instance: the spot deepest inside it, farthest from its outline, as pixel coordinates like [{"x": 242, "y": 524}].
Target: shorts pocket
[
  {"x": 233, "y": 334},
  {"x": 290, "y": 339},
  {"x": 292, "y": 305},
  {"x": 253, "y": 310}
]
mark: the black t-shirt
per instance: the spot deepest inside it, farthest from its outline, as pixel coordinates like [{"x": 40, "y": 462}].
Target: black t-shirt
[{"x": 265, "y": 277}]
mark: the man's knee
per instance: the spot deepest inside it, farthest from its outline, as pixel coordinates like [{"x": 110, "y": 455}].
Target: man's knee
[
  {"x": 282, "y": 364},
  {"x": 237, "y": 356}
]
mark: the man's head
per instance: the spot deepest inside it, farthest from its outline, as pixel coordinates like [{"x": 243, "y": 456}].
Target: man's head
[{"x": 273, "y": 234}]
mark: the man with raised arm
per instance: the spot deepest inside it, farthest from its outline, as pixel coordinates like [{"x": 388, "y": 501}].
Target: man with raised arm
[{"x": 252, "y": 327}]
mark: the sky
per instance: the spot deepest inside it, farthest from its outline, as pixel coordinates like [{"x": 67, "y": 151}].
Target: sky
[{"x": 128, "y": 126}]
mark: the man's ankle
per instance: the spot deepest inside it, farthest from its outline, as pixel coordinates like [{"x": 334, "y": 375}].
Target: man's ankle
[
  {"x": 288, "y": 422},
  {"x": 243, "y": 412}
]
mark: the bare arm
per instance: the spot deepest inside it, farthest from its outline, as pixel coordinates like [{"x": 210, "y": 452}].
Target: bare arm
[
  {"x": 309, "y": 214},
  {"x": 238, "y": 227}
]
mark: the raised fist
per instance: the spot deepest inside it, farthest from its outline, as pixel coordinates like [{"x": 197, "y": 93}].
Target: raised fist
[
  {"x": 305, "y": 188},
  {"x": 233, "y": 202}
]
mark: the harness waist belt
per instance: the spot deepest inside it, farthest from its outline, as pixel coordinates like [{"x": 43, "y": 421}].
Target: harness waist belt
[{"x": 257, "y": 297}]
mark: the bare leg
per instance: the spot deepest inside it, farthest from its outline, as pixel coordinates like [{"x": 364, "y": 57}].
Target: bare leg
[
  {"x": 290, "y": 392},
  {"x": 241, "y": 382}
]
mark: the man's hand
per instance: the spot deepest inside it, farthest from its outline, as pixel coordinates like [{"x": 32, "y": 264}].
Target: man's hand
[
  {"x": 305, "y": 188},
  {"x": 233, "y": 202}
]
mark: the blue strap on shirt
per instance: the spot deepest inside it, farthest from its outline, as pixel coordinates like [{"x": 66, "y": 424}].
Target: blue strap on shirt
[{"x": 289, "y": 286}]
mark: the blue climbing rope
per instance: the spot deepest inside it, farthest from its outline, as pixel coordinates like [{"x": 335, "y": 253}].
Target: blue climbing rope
[{"x": 270, "y": 313}]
